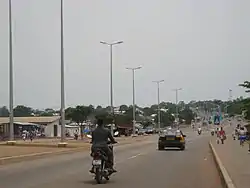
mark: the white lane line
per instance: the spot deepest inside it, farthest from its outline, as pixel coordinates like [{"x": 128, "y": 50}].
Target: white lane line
[{"x": 132, "y": 157}]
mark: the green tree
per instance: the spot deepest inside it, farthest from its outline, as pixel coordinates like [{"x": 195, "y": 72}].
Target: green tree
[
  {"x": 4, "y": 112},
  {"x": 246, "y": 85},
  {"x": 148, "y": 111},
  {"x": 23, "y": 111},
  {"x": 246, "y": 102},
  {"x": 123, "y": 108},
  {"x": 79, "y": 114},
  {"x": 166, "y": 119},
  {"x": 99, "y": 107},
  {"x": 187, "y": 114}
]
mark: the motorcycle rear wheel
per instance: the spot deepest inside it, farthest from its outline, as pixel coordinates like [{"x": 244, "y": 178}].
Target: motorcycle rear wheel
[{"x": 98, "y": 175}]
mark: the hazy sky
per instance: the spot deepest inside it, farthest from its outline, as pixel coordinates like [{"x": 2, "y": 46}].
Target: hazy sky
[{"x": 199, "y": 45}]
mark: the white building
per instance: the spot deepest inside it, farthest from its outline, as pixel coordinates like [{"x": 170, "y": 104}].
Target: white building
[{"x": 50, "y": 125}]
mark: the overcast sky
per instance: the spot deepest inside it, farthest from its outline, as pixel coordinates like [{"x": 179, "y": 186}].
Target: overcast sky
[{"x": 199, "y": 45}]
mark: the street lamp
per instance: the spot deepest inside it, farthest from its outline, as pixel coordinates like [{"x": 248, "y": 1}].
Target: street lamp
[
  {"x": 158, "y": 99},
  {"x": 176, "y": 100},
  {"x": 11, "y": 93},
  {"x": 133, "y": 78},
  {"x": 62, "y": 143},
  {"x": 111, "y": 78},
  {"x": 230, "y": 95}
]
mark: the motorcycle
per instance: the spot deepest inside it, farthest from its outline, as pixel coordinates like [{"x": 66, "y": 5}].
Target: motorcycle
[
  {"x": 199, "y": 132},
  {"x": 212, "y": 133},
  {"x": 100, "y": 163}
]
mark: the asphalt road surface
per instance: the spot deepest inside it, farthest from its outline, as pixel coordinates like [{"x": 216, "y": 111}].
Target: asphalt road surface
[{"x": 138, "y": 165}]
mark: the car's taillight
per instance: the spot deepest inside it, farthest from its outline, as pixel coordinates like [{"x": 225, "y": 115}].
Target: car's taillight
[{"x": 178, "y": 138}]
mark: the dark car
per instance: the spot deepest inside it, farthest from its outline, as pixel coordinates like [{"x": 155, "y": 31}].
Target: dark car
[{"x": 172, "y": 139}]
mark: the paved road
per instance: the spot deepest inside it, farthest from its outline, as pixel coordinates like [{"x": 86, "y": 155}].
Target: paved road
[{"x": 139, "y": 165}]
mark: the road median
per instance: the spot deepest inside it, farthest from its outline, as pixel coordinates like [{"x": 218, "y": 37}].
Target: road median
[
  {"x": 30, "y": 151},
  {"x": 226, "y": 179}
]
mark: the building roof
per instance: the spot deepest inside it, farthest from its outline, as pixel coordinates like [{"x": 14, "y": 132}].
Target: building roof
[{"x": 43, "y": 119}]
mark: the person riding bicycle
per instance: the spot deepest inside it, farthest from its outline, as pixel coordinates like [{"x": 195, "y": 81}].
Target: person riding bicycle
[{"x": 100, "y": 138}]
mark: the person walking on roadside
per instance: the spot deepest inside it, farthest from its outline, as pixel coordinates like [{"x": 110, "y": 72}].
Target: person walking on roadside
[
  {"x": 242, "y": 135},
  {"x": 221, "y": 136},
  {"x": 248, "y": 140}
]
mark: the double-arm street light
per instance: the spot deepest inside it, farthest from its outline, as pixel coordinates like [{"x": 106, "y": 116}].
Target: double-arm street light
[
  {"x": 134, "y": 108},
  {"x": 158, "y": 100},
  {"x": 111, "y": 79},
  {"x": 176, "y": 101}
]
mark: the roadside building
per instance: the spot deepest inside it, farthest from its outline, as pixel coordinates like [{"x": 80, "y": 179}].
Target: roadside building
[{"x": 48, "y": 125}]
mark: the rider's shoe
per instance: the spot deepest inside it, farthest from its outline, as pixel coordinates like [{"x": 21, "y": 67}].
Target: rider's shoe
[
  {"x": 91, "y": 170},
  {"x": 112, "y": 170}
]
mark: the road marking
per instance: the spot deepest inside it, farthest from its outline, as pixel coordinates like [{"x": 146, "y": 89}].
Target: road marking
[{"x": 132, "y": 157}]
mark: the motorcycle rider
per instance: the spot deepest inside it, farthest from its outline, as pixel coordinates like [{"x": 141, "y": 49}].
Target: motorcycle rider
[
  {"x": 212, "y": 131},
  {"x": 100, "y": 137},
  {"x": 199, "y": 130}
]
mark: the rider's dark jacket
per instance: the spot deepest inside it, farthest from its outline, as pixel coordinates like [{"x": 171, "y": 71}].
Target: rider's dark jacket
[{"x": 100, "y": 137}]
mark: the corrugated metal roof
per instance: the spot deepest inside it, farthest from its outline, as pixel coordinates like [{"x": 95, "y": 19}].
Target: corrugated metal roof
[{"x": 44, "y": 119}]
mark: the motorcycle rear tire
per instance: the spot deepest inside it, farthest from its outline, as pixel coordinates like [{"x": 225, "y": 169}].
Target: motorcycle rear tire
[{"x": 98, "y": 175}]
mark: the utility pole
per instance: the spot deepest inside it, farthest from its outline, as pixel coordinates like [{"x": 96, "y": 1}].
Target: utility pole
[
  {"x": 158, "y": 100},
  {"x": 111, "y": 79},
  {"x": 11, "y": 87},
  {"x": 134, "y": 108},
  {"x": 176, "y": 102}
]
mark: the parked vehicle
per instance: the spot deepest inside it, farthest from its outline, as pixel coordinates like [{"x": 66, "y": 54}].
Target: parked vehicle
[{"x": 141, "y": 131}]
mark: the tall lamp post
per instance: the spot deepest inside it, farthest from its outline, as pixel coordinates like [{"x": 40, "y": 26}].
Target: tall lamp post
[
  {"x": 134, "y": 109},
  {"x": 229, "y": 100},
  {"x": 176, "y": 101},
  {"x": 230, "y": 94},
  {"x": 158, "y": 100},
  {"x": 11, "y": 87},
  {"x": 62, "y": 143},
  {"x": 111, "y": 78}
]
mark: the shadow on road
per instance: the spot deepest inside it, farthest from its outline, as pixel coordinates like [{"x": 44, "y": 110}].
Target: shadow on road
[
  {"x": 93, "y": 182},
  {"x": 171, "y": 149}
]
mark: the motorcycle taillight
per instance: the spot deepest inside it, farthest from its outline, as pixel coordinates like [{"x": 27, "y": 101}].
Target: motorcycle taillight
[{"x": 96, "y": 155}]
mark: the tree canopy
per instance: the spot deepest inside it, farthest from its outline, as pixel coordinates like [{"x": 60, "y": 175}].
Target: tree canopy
[
  {"x": 124, "y": 114},
  {"x": 145, "y": 115},
  {"x": 246, "y": 102}
]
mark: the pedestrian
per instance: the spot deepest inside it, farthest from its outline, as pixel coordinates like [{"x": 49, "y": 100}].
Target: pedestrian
[
  {"x": 221, "y": 136},
  {"x": 31, "y": 135},
  {"x": 242, "y": 135},
  {"x": 24, "y": 135},
  {"x": 248, "y": 140},
  {"x": 218, "y": 135}
]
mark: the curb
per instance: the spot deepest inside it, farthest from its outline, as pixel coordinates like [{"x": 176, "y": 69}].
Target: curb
[{"x": 226, "y": 179}]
